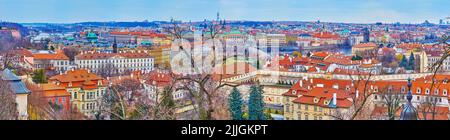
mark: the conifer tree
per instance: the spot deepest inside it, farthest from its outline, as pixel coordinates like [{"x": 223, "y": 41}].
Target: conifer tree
[
  {"x": 235, "y": 104},
  {"x": 256, "y": 104}
]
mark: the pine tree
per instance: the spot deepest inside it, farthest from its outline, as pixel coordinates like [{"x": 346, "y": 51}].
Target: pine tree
[
  {"x": 411, "y": 62},
  {"x": 404, "y": 62},
  {"x": 256, "y": 104},
  {"x": 235, "y": 104}
]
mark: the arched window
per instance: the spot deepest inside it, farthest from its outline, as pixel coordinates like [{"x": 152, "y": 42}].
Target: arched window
[
  {"x": 427, "y": 91},
  {"x": 444, "y": 92},
  {"x": 418, "y": 90}
]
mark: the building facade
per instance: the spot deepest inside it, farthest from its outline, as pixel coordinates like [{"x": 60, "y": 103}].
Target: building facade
[
  {"x": 85, "y": 88},
  {"x": 115, "y": 63}
]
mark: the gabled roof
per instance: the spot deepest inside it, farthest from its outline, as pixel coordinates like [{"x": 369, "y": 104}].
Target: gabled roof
[{"x": 76, "y": 76}]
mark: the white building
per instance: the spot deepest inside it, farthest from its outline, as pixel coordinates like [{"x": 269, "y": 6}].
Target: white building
[
  {"x": 115, "y": 63},
  {"x": 270, "y": 40}
]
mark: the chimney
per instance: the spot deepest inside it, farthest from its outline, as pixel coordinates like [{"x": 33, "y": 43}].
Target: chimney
[{"x": 334, "y": 99}]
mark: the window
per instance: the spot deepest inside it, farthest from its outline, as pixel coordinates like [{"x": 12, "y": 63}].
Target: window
[
  {"x": 306, "y": 107},
  {"x": 320, "y": 109},
  {"x": 418, "y": 98},
  {"x": 418, "y": 91},
  {"x": 299, "y": 106},
  {"x": 287, "y": 108},
  {"x": 299, "y": 116},
  {"x": 427, "y": 91},
  {"x": 436, "y": 92},
  {"x": 315, "y": 117},
  {"x": 376, "y": 97},
  {"x": 90, "y": 95},
  {"x": 294, "y": 92},
  {"x": 315, "y": 108},
  {"x": 444, "y": 92},
  {"x": 75, "y": 95},
  {"x": 306, "y": 116},
  {"x": 320, "y": 117}
]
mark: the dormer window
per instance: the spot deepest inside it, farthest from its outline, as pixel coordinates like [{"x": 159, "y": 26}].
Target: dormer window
[
  {"x": 427, "y": 91},
  {"x": 326, "y": 102},
  {"x": 294, "y": 92},
  {"x": 375, "y": 89},
  {"x": 444, "y": 92},
  {"x": 418, "y": 91},
  {"x": 347, "y": 88},
  {"x": 99, "y": 82},
  {"x": 436, "y": 92},
  {"x": 316, "y": 100},
  {"x": 445, "y": 81},
  {"x": 70, "y": 84},
  {"x": 403, "y": 89}
]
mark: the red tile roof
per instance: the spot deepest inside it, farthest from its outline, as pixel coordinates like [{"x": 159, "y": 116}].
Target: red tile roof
[
  {"x": 365, "y": 45},
  {"x": 323, "y": 97},
  {"x": 98, "y": 55},
  {"x": 59, "y": 55}
]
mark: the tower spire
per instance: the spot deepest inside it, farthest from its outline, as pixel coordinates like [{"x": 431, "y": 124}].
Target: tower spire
[
  {"x": 218, "y": 17},
  {"x": 409, "y": 112}
]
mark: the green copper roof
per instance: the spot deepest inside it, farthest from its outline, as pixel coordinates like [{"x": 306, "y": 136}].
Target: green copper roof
[
  {"x": 91, "y": 35},
  {"x": 70, "y": 38}
]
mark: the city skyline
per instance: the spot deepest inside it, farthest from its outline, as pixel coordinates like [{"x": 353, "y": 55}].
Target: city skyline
[{"x": 348, "y": 11}]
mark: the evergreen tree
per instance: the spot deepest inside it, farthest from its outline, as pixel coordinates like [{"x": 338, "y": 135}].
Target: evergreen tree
[
  {"x": 256, "y": 104},
  {"x": 411, "y": 62},
  {"x": 39, "y": 76},
  {"x": 356, "y": 57},
  {"x": 404, "y": 62},
  {"x": 235, "y": 104}
]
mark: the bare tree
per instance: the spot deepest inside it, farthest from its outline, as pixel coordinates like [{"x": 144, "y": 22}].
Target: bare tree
[
  {"x": 107, "y": 70},
  {"x": 71, "y": 52},
  {"x": 429, "y": 106},
  {"x": 435, "y": 68},
  {"x": 392, "y": 101},
  {"x": 201, "y": 86},
  {"x": 361, "y": 98},
  {"x": 40, "y": 108},
  {"x": 8, "y": 110}
]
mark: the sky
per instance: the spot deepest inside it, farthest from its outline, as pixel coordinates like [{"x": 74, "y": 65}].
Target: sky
[{"x": 349, "y": 11}]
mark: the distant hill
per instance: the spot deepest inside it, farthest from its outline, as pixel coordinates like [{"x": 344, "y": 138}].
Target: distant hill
[
  {"x": 23, "y": 30},
  {"x": 119, "y": 24}
]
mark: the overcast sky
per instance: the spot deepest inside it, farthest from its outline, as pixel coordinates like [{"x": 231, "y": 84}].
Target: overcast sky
[{"x": 354, "y": 11}]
